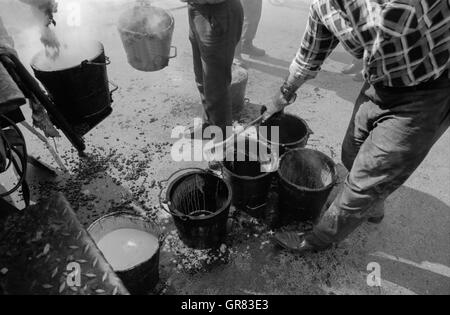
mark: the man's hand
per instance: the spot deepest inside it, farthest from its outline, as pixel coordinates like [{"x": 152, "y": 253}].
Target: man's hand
[
  {"x": 45, "y": 8},
  {"x": 277, "y": 105},
  {"x": 50, "y": 40}
]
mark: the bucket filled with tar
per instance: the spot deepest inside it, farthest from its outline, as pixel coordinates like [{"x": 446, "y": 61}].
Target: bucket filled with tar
[
  {"x": 306, "y": 179},
  {"x": 249, "y": 171},
  {"x": 199, "y": 202}
]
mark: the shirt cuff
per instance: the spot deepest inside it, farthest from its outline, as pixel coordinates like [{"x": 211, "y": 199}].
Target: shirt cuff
[{"x": 299, "y": 72}]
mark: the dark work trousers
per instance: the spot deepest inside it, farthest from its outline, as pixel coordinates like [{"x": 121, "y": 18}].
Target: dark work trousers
[
  {"x": 252, "y": 16},
  {"x": 390, "y": 134},
  {"x": 215, "y": 30}
]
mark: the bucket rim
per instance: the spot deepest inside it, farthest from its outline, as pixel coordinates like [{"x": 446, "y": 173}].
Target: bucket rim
[
  {"x": 308, "y": 133},
  {"x": 35, "y": 68},
  {"x": 177, "y": 213},
  {"x": 263, "y": 175},
  {"x": 172, "y": 23},
  {"x": 330, "y": 160},
  {"x": 161, "y": 235}
]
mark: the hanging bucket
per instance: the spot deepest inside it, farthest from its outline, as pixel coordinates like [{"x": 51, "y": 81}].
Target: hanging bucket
[
  {"x": 238, "y": 89},
  {"x": 248, "y": 177},
  {"x": 146, "y": 32},
  {"x": 77, "y": 82},
  {"x": 199, "y": 202},
  {"x": 293, "y": 132},
  {"x": 138, "y": 264},
  {"x": 306, "y": 179}
]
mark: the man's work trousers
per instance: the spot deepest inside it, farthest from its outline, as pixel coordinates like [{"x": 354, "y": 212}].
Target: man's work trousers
[
  {"x": 390, "y": 134},
  {"x": 215, "y": 30}
]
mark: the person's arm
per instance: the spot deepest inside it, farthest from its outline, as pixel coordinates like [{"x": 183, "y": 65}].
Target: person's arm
[
  {"x": 318, "y": 43},
  {"x": 44, "y": 10}
]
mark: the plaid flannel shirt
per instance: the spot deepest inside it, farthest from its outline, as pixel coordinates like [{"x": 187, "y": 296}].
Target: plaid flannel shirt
[{"x": 403, "y": 42}]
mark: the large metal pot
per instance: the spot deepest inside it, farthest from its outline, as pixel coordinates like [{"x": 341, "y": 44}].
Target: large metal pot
[
  {"x": 147, "y": 49},
  {"x": 81, "y": 89}
]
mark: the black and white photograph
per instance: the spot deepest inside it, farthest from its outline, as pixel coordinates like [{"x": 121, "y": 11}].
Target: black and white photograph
[{"x": 224, "y": 155}]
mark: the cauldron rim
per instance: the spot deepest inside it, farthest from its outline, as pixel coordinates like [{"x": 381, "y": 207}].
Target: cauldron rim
[{"x": 36, "y": 68}]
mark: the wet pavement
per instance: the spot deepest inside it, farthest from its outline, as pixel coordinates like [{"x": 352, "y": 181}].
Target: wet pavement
[{"x": 129, "y": 159}]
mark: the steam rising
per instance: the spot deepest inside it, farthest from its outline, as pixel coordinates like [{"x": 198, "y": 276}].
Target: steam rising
[
  {"x": 70, "y": 55},
  {"x": 97, "y": 18},
  {"x": 146, "y": 20}
]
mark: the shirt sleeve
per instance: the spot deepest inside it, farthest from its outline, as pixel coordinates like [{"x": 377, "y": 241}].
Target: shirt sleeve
[{"x": 318, "y": 43}]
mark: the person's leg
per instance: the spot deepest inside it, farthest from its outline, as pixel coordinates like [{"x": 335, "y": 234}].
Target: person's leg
[
  {"x": 357, "y": 132},
  {"x": 252, "y": 17},
  {"x": 402, "y": 129},
  {"x": 196, "y": 130},
  {"x": 197, "y": 58},
  {"x": 219, "y": 29}
]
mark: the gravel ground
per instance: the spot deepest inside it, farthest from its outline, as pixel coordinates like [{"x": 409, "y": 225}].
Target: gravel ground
[{"x": 129, "y": 159}]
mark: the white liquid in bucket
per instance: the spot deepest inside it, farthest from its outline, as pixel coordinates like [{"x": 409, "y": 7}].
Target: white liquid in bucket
[{"x": 127, "y": 248}]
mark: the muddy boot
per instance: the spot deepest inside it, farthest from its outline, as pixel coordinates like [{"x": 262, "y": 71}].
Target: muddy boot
[
  {"x": 297, "y": 242},
  {"x": 376, "y": 220}
]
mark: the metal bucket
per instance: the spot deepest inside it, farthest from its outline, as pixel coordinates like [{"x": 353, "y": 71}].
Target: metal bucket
[
  {"x": 81, "y": 92},
  {"x": 294, "y": 132},
  {"x": 147, "y": 50},
  {"x": 238, "y": 89},
  {"x": 142, "y": 278},
  {"x": 199, "y": 202},
  {"x": 306, "y": 179},
  {"x": 249, "y": 183}
]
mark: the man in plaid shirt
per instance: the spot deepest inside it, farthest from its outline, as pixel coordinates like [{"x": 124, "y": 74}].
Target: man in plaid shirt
[{"x": 403, "y": 108}]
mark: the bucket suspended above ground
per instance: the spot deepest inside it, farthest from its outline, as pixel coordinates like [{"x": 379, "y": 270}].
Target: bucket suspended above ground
[
  {"x": 199, "y": 202},
  {"x": 306, "y": 179},
  {"x": 146, "y": 32}
]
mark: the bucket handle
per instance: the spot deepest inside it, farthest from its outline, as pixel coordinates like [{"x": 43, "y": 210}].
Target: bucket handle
[
  {"x": 164, "y": 203},
  {"x": 115, "y": 88},
  {"x": 175, "y": 52},
  {"x": 257, "y": 207},
  {"x": 90, "y": 63}
]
